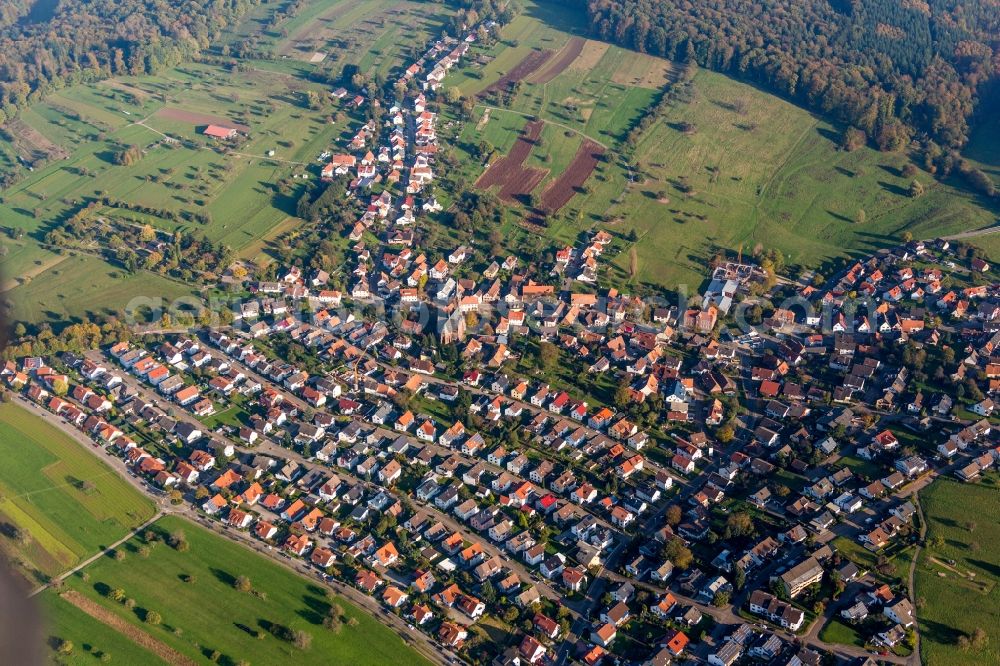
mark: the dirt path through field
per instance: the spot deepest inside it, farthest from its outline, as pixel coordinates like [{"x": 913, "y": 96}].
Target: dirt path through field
[
  {"x": 32, "y": 273},
  {"x": 530, "y": 116},
  {"x": 29, "y": 142},
  {"x": 130, "y": 631},
  {"x": 482, "y": 121}
]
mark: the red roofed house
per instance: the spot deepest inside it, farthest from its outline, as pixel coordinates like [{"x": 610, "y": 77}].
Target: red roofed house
[
  {"x": 675, "y": 641},
  {"x": 323, "y": 557},
  {"x": 386, "y": 555},
  {"x": 265, "y": 530},
  {"x": 531, "y": 650},
  {"x": 297, "y": 544}
]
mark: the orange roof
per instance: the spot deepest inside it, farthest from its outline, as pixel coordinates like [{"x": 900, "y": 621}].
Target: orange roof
[
  {"x": 387, "y": 553},
  {"x": 537, "y": 289},
  {"x": 606, "y": 631},
  {"x": 310, "y": 520},
  {"x": 264, "y": 529},
  {"x": 393, "y": 595},
  {"x": 677, "y": 642},
  {"x": 226, "y": 479},
  {"x": 594, "y": 656},
  {"x": 251, "y": 494}
]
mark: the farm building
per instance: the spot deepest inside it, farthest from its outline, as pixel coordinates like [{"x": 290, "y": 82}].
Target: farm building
[{"x": 219, "y": 132}]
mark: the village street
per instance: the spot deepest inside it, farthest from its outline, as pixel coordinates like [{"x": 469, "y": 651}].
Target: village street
[
  {"x": 580, "y": 610},
  {"x": 415, "y": 639}
]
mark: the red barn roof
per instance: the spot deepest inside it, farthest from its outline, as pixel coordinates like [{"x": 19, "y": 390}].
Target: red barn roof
[{"x": 219, "y": 132}]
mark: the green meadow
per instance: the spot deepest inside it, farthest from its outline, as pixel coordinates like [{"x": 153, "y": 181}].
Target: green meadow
[
  {"x": 60, "y": 504},
  {"x": 208, "y": 614},
  {"x": 728, "y": 166},
  {"x": 955, "y": 600}
]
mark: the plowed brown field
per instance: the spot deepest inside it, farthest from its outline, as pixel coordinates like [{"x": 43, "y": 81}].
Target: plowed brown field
[
  {"x": 522, "y": 70},
  {"x": 516, "y": 181},
  {"x": 563, "y": 59},
  {"x": 562, "y": 189}
]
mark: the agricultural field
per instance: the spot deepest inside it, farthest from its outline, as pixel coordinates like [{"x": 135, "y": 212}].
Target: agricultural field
[
  {"x": 186, "y": 175},
  {"x": 513, "y": 180},
  {"x": 727, "y": 166},
  {"x": 326, "y": 35},
  {"x": 248, "y": 197},
  {"x": 238, "y": 190},
  {"x": 374, "y": 35},
  {"x": 23, "y": 261},
  {"x": 576, "y": 91},
  {"x": 953, "y": 600},
  {"x": 60, "y": 504},
  {"x": 192, "y": 627}
]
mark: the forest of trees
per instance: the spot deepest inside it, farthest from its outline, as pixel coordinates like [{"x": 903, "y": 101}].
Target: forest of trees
[
  {"x": 472, "y": 12},
  {"x": 12, "y": 11},
  {"x": 895, "y": 70},
  {"x": 85, "y": 40}
]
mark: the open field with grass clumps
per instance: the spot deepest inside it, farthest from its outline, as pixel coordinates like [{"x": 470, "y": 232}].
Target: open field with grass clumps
[
  {"x": 237, "y": 191},
  {"x": 82, "y": 287},
  {"x": 91, "y": 638},
  {"x": 60, "y": 503},
  {"x": 954, "y": 600},
  {"x": 726, "y": 166},
  {"x": 201, "y": 611}
]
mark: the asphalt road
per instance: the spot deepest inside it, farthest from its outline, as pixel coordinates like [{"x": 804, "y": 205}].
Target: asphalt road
[{"x": 415, "y": 639}]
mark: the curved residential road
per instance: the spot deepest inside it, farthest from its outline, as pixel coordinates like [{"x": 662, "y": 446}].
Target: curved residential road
[
  {"x": 728, "y": 615},
  {"x": 417, "y": 640},
  {"x": 268, "y": 447},
  {"x": 973, "y": 233}
]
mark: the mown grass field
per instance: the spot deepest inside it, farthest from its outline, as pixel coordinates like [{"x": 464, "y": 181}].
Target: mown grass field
[
  {"x": 755, "y": 169},
  {"x": 81, "y": 287},
  {"x": 209, "y": 614},
  {"x": 91, "y": 638},
  {"x": 967, "y": 595},
  {"x": 836, "y": 631},
  {"x": 374, "y": 35},
  {"x": 66, "y": 500}
]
